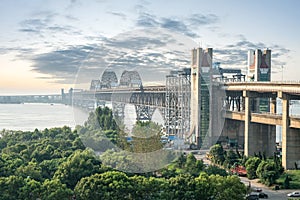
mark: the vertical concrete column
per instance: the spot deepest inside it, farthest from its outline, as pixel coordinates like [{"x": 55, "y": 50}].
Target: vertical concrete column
[
  {"x": 273, "y": 108},
  {"x": 290, "y": 136},
  {"x": 285, "y": 127},
  {"x": 292, "y": 148},
  {"x": 246, "y": 95}
]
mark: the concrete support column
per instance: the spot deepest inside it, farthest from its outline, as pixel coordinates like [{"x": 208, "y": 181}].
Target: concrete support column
[
  {"x": 285, "y": 128},
  {"x": 290, "y": 137},
  {"x": 292, "y": 156},
  {"x": 273, "y": 108},
  {"x": 258, "y": 137},
  {"x": 247, "y": 136}
]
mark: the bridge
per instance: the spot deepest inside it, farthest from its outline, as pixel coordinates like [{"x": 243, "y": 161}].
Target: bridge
[
  {"x": 200, "y": 107},
  {"x": 244, "y": 118}
]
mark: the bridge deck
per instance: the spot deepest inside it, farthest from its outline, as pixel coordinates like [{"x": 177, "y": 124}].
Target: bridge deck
[{"x": 264, "y": 118}]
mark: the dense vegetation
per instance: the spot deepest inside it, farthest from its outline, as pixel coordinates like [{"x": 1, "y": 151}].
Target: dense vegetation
[
  {"x": 56, "y": 164},
  {"x": 268, "y": 170}
]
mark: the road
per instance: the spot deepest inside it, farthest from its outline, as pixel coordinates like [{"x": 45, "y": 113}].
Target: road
[{"x": 273, "y": 194}]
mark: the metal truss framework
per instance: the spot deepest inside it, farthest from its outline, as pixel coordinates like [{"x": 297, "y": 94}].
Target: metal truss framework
[{"x": 178, "y": 97}]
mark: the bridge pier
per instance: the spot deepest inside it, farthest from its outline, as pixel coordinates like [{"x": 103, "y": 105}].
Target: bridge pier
[
  {"x": 258, "y": 137},
  {"x": 290, "y": 136}
]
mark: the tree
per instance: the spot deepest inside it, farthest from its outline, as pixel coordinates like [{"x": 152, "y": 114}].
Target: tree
[
  {"x": 54, "y": 189},
  {"x": 149, "y": 188},
  {"x": 229, "y": 187},
  {"x": 180, "y": 161},
  {"x": 78, "y": 165},
  {"x": 267, "y": 173},
  {"x": 203, "y": 187},
  {"x": 215, "y": 170},
  {"x": 10, "y": 187},
  {"x": 32, "y": 170},
  {"x": 49, "y": 167},
  {"x": 193, "y": 166},
  {"x": 32, "y": 189},
  {"x": 181, "y": 187},
  {"x": 230, "y": 158},
  {"x": 217, "y": 154},
  {"x": 146, "y": 137},
  {"x": 251, "y": 167},
  {"x": 286, "y": 183},
  {"x": 109, "y": 185}
]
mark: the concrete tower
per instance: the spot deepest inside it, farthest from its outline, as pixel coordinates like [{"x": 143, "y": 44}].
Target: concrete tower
[
  {"x": 259, "y": 65},
  {"x": 201, "y": 67},
  {"x": 259, "y": 69}
]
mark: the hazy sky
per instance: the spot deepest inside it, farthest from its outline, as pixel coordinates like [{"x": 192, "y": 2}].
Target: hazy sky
[{"x": 46, "y": 45}]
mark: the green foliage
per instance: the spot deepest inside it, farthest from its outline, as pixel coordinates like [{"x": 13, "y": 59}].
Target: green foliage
[
  {"x": 79, "y": 164},
  {"x": 215, "y": 170},
  {"x": 267, "y": 172},
  {"x": 217, "y": 154},
  {"x": 49, "y": 167},
  {"x": 251, "y": 167},
  {"x": 102, "y": 119},
  {"x": 286, "y": 183},
  {"x": 148, "y": 188},
  {"x": 193, "y": 166},
  {"x": 181, "y": 187},
  {"x": 32, "y": 170},
  {"x": 10, "y": 187},
  {"x": 108, "y": 185},
  {"x": 181, "y": 160},
  {"x": 100, "y": 132},
  {"x": 293, "y": 179},
  {"x": 54, "y": 189},
  {"x": 146, "y": 137},
  {"x": 53, "y": 164},
  {"x": 230, "y": 158},
  {"x": 228, "y": 187}
]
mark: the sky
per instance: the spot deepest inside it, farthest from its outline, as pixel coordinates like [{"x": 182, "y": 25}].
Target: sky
[{"x": 46, "y": 45}]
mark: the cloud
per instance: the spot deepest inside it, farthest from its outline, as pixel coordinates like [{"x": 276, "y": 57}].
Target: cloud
[
  {"x": 186, "y": 26},
  {"x": 61, "y": 64},
  {"x": 128, "y": 51},
  {"x": 33, "y": 25},
  {"x": 147, "y": 20},
  {"x": 235, "y": 55},
  {"x": 47, "y": 24},
  {"x": 200, "y": 19},
  {"x": 177, "y": 26},
  {"x": 118, "y": 14}
]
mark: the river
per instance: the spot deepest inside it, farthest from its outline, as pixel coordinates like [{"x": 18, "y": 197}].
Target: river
[{"x": 28, "y": 116}]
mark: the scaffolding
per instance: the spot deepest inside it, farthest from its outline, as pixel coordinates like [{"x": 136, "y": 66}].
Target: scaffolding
[{"x": 178, "y": 98}]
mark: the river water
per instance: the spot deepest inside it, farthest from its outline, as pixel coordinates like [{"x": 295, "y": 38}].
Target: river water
[{"x": 28, "y": 116}]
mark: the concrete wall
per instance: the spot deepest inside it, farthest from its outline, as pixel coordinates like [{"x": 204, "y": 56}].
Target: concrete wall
[{"x": 234, "y": 129}]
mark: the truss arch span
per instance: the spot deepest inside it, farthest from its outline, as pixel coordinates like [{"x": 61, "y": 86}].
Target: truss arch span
[
  {"x": 130, "y": 79},
  {"x": 109, "y": 79}
]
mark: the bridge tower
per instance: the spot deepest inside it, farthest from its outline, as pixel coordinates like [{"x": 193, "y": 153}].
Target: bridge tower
[
  {"x": 259, "y": 69},
  {"x": 201, "y": 67}
]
